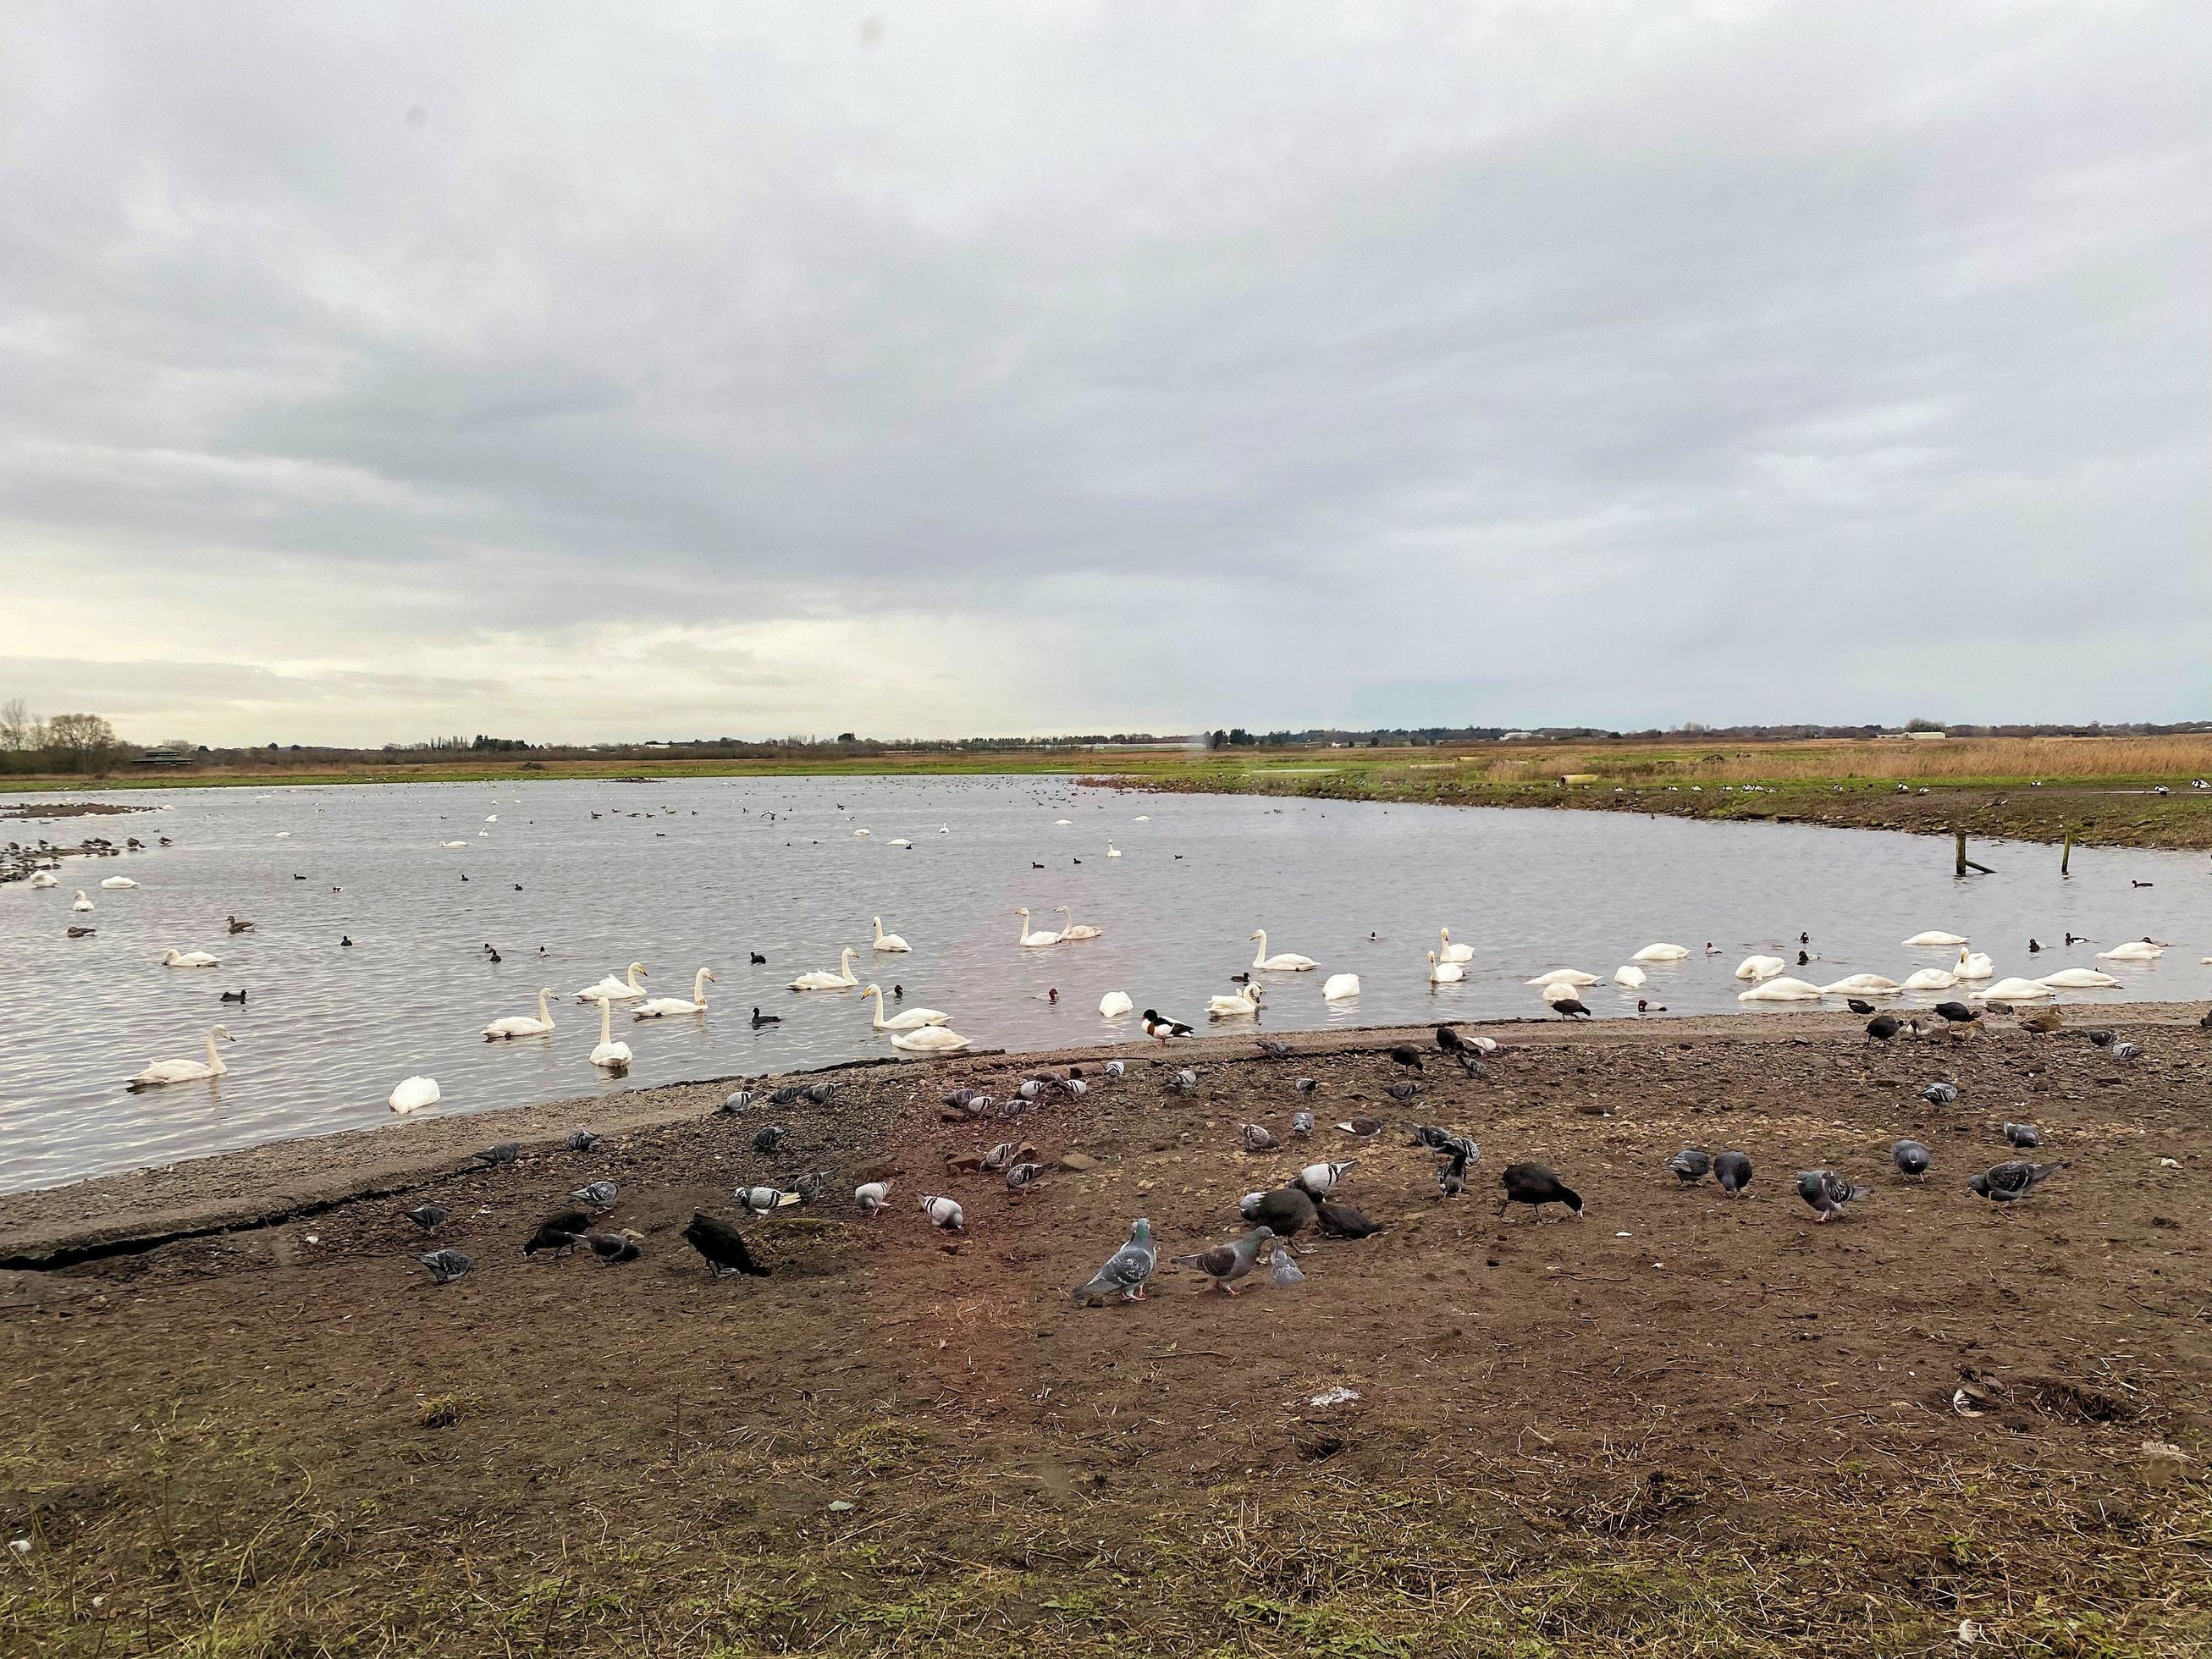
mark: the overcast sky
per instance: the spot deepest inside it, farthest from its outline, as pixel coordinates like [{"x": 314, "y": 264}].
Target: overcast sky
[{"x": 577, "y": 372}]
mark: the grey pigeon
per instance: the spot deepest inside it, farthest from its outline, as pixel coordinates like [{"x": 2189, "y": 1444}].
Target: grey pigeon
[
  {"x": 1318, "y": 1181},
  {"x": 1075, "y": 1088},
  {"x": 2004, "y": 1183},
  {"x": 1282, "y": 1272},
  {"x": 762, "y": 1200},
  {"x": 1301, "y": 1124},
  {"x": 1911, "y": 1157},
  {"x": 790, "y": 1095},
  {"x": 583, "y": 1140},
  {"x": 500, "y": 1156},
  {"x": 1285, "y": 1211},
  {"x": 1691, "y": 1164},
  {"x": 1403, "y": 1092},
  {"x": 1224, "y": 1264},
  {"x": 1125, "y": 1270},
  {"x": 1001, "y": 1157},
  {"x": 1827, "y": 1192},
  {"x": 600, "y": 1194},
  {"x": 446, "y": 1266},
  {"x": 874, "y": 1197},
  {"x": 1115, "y": 1069},
  {"x": 429, "y": 1216},
  {"x": 809, "y": 1186},
  {"x": 1733, "y": 1171},
  {"x": 958, "y": 1098},
  {"x": 1257, "y": 1138},
  {"x": 943, "y": 1213},
  {"x": 1274, "y": 1050},
  {"x": 819, "y": 1093},
  {"x": 1184, "y": 1082},
  {"x": 1451, "y": 1178},
  {"x": 735, "y": 1103},
  {"x": 1029, "y": 1089},
  {"x": 1023, "y": 1176},
  {"x": 2123, "y": 1052},
  {"x": 611, "y": 1249},
  {"x": 1306, "y": 1086},
  {"x": 1940, "y": 1094},
  {"x": 770, "y": 1139},
  {"x": 2023, "y": 1135},
  {"x": 2099, "y": 1039}
]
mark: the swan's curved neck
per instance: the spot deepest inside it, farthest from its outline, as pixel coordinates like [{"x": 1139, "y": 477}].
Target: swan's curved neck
[
  {"x": 606, "y": 1020},
  {"x": 877, "y": 1019},
  {"x": 1259, "y": 955},
  {"x": 215, "y": 1060},
  {"x": 845, "y": 966},
  {"x": 699, "y": 987},
  {"x": 544, "y": 1014}
]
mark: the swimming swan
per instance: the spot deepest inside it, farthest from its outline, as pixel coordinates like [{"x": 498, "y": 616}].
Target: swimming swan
[
  {"x": 610, "y": 1055},
  {"x": 907, "y": 1019},
  {"x": 1115, "y": 1004},
  {"x": 184, "y": 1071},
  {"x": 1863, "y": 984},
  {"x": 888, "y": 941},
  {"x": 1930, "y": 979},
  {"x": 2135, "y": 950},
  {"x": 1784, "y": 989},
  {"x": 1934, "y": 938},
  {"x": 1662, "y": 952},
  {"x": 2079, "y": 979},
  {"x": 1112, "y": 851},
  {"x": 930, "y": 1040},
  {"x": 841, "y": 981},
  {"x": 1243, "y": 1006},
  {"x": 1340, "y": 988},
  {"x": 414, "y": 1093},
  {"x": 1563, "y": 976},
  {"x": 176, "y": 958},
  {"x": 1973, "y": 965},
  {"x": 611, "y": 989},
  {"x": 1288, "y": 962},
  {"x": 1034, "y": 939},
  {"x": 521, "y": 1025},
  {"x": 1450, "y": 952},
  {"x": 119, "y": 882},
  {"x": 1070, "y": 929},
  {"x": 662, "y": 1007},
  {"x": 80, "y": 902},
  {"x": 1445, "y": 973},
  {"x": 1759, "y": 967},
  {"x": 1630, "y": 975},
  {"x": 2014, "y": 990}
]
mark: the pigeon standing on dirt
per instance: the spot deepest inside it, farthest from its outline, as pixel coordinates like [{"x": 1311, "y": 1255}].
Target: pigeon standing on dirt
[
  {"x": 2006, "y": 1183},
  {"x": 1257, "y": 1138},
  {"x": 611, "y": 1249},
  {"x": 943, "y": 1213},
  {"x": 1023, "y": 1176},
  {"x": 1184, "y": 1082},
  {"x": 809, "y": 1186},
  {"x": 873, "y": 1196},
  {"x": 761, "y": 1200},
  {"x": 446, "y": 1266},
  {"x": 1911, "y": 1157},
  {"x": 1274, "y": 1050},
  {"x": 735, "y": 1103},
  {"x": 1733, "y": 1171},
  {"x": 1125, "y": 1270},
  {"x": 2123, "y": 1052},
  {"x": 769, "y": 1140},
  {"x": 1302, "y": 1124},
  {"x": 1282, "y": 1271},
  {"x": 1451, "y": 1178},
  {"x": 1306, "y": 1086},
  {"x": 1940, "y": 1094},
  {"x": 1318, "y": 1181},
  {"x": 1000, "y": 1157},
  {"x": 599, "y": 1194},
  {"x": 1691, "y": 1164},
  {"x": 1115, "y": 1069},
  {"x": 2023, "y": 1135},
  {"x": 583, "y": 1140},
  {"x": 1404, "y": 1093},
  {"x": 1536, "y": 1185},
  {"x": 500, "y": 1157},
  {"x": 429, "y": 1216},
  {"x": 1224, "y": 1264},
  {"x": 723, "y": 1246},
  {"x": 1827, "y": 1192}
]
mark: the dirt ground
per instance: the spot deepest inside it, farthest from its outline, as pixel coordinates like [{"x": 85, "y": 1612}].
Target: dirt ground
[{"x": 1683, "y": 1425}]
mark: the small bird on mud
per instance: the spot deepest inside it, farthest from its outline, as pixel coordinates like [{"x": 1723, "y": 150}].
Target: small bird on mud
[
  {"x": 1407, "y": 1056},
  {"x": 1827, "y": 1192},
  {"x": 1125, "y": 1270},
  {"x": 735, "y": 1103},
  {"x": 769, "y": 1140},
  {"x": 723, "y": 1246},
  {"x": 1451, "y": 1178},
  {"x": 1274, "y": 1050},
  {"x": 1733, "y": 1171},
  {"x": 2023, "y": 1135},
  {"x": 1113, "y": 1069},
  {"x": 1318, "y": 1181},
  {"x": 2099, "y": 1039},
  {"x": 560, "y": 1232},
  {"x": 1536, "y": 1185},
  {"x": 1257, "y": 1138},
  {"x": 1285, "y": 1211},
  {"x": 429, "y": 1216},
  {"x": 599, "y": 1194},
  {"x": 874, "y": 1197},
  {"x": 1306, "y": 1086},
  {"x": 501, "y": 1156},
  {"x": 1023, "y": 1176},
  {"x": 1362, "y": 1128},
  {"x": 2044, "y": 1020},
  {"x": 1571, "y": 1008},
  {"x": 945, "y": 1214},
  {"x": 1160, "y": 1028},
  {"x": 1957, "y": 1016},
  {"x": 611, "y": 1249},
  {"x": 446, "y": 1266},
  {"x": 1858, "y": 1004},
  {"x": 1184, "y": 1082},
  {"x": 1691, "y": 1164},
  {"x": 2007, "y": 1183},
  {"x": 583, "y": 1140},
  {"x": 1224, "y": 1264},
  {"x": 1404, "y": 1093},
  {"x": 1911, "y": 1157},
  {"x": 1940, "y": 1094}
]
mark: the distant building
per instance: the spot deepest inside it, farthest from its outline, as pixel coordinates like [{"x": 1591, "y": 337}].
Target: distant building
[
  {"x": 163, "y": 757},
  {"x": 1927, "y": 737}
]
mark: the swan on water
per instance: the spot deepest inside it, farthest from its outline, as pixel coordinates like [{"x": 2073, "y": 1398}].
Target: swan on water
[
  {"x": 944, "y": 829},
  {"x": 1759, "y": 967},
  {"x": 184, "y": 1071},
  {"x": 2079, "y": 979},
  {"x": 1863, "y": 984},
  {"x": 611, "y": 989},
  {"x": 1445, "y": 973},
  {"x": 1340, "y": 987},
  {"x": 1934, "y": 938},
  {"x": 452, "y": 843},
  {"x": 907, "y": 1019},
  {"x": 1060, "y": 821},
  {"x": 2135, "y": 950},
  {"x": 1031, "y": 939},
  {"x": 1243, "y": 1007},
  {"x": 1290, "y": 962},
  {"x": 521, "y": 1025},
  {"x": 1930, "y": 979},
  {"x": 494, "y": 819},
  {"x": 1112, "y": 851},
  {"x": 119, "y": 882},
  {"x": 1069, "y": 928},
  {"x": 662, "y": 1007},
  {"x": 2014, "y": 990},
  {"x": 609, "y": 1054},
  {"x": 1661, "y": 952},
  {"x": 174, "y": 957},
  {"x": 1558, "y": 990},
  {"x": 900, "y": 841},
  {"x": 930, "y": 1040},
  {"x": 1115, "y": 1004},
  {"x": 414, "y": 1093},
  {"x": 1630, "y": 975},
  {"x": 857, "y": 834},
  {"x": 1783, "y": 989},
  {"x": 1563, "y": 976},
  {"x": 1140, "y": 819},
  {"x": 1973, "y": 965},
  {"x": 80, "y": 902},
  {"x": 842, "y": 980},
  {"x": 888, "y": 941},
  {"x": 1447, "y": 951}
]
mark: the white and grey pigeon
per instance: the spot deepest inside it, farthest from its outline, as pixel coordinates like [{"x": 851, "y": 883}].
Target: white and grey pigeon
[
  {"x": 1282, "y": 1272},
  {"x": 1023, "y": 1176},
  {"x": 2023, "y": 1135},
  {"x": 500, "y": 1156},
  {"x": 735, "y": 1103},
  {"x": 2007, "y": 1184},
  {"x": 1258, "y": 1139},
  {"x": 1113, "y": 1069},
  {"x": 2123, "y": 1052},
  {"x": 1224, "y": 1264},
  {"x": 599, "y": 1194},
  {"x": 1302, "y": 1124},
  {"x": 1127, "y": 1269},
  {"x": 762, "y": 1201},
  {"x": 1029, "y": 1089},
  {"x": 1001, "y": 1157},
  {"x": 1940, "y": 1094},
  {"x": 429, "y": 1216},
  {"x": 1184, "y": 1082},
  {"x": 1827, "y": 1192},
  {"x": 1911, "y": 1157},
  {"x": 943, "y": 1213},
  {"x": 1451, "y": 1178},
  {"x": 583, "y": 1140},
  {"x": 808, "y": 1187},
  {"x": 1318, "y": 1181},
  {"x": 1306, "y": 1086},
  {"x": 446, "y": 1266},
  {"x": 872, "y": 1197}
]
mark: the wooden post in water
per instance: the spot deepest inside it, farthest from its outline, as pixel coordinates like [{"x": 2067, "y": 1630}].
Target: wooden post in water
[
  {"x": 2066, "y": 850},
  {"x": 1958, "y": 845}
]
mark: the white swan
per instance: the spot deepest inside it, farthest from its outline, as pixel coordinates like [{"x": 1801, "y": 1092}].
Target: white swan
[
  {"x": 1783, "y": 989},
  {"x": 857, "y": 834},
  {"x": 494, "y": 819},
  {"x": 1934, "y": 938},
  {"x": 1069, "y": 928},
  {"x": 1863, "y": 984},
  {"x": 944, "y": 829},
  {"x": 1445, "y": 973},
  {"x": 1290, "y": 962},
  {"x": 1115, "y": 1004},
  {"x": 1563, "y": 976},
  {"x": 1142, "y": 817},
  {"x": 888, "y": 941},
  {"x": 930, "y": 1040},
  {"x": 900, "y": 841},
  {"x": 1759, "y": 967},
  {"x": 1112, "y": 851},
  {"x": 1340, "y": 988},
  {"x": 611, "y": 989},
  {"x": 1662, "y": 952},
  {"x": 841, "y": 981},
  {"x": 414, "y": 1093},
  {"x": 80, "y": 902},
  {"x": 2079, "y": 979},
  {"x": 119, "y": 882},
  {"x": 1034, "y": 939},
  {"x": 43, "y": 878},
  {"x": 662, "y": 1007},
  {"x": 2135, "y": 950},
  {"x": 2014, "y": 990},
  {"x": 452, "y": 843},
  {"x": 1245, "y": 1006},
  {"x": 184, "y": 1071},
  {"x": 1559, "y": 991},
  {"x": 1930, "y": 979},
  {"x": 610, "y": 1055},
  {"x": 174, "y": 957},
  {"x": 1630, "y": 975},
  {"x": 1060, "y": 821},
  {"x": 521, "y": 1025},
  {"x": 1449, "y": 952},
  {"x": 1973, "y": 965},
  {"x": 907, "y": 1019}
]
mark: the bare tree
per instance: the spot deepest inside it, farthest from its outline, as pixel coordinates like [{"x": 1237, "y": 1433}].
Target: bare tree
[
  {"x": 86, "y": 743},
  {"x": 20, "y": 729}
]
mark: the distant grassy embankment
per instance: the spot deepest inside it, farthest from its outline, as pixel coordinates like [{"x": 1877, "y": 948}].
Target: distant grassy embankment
[{"x": 2102, "y": 790}]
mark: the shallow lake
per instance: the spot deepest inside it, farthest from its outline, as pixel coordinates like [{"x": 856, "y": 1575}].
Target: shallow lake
[{"x": 575, "y": 880}]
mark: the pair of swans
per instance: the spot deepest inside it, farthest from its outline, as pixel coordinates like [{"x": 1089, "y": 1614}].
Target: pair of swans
[
  {"x": 888, "y": 941},
  {"x": 176, "y": 958},
  {"x": 907, "y": 1019},
  {"x": 842, "y": 979},
  {"x": 611, "y": 989},
  {"x": 1288, "y": 962},
  {"x": 663, "y": 1007},
  {"x": 161, "y": 1071}
]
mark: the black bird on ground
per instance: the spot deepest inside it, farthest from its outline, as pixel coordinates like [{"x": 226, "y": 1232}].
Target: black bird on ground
[
  {"x": 2099, "y": 1039},
  {"x": 1882, "y": 1027},
  {"x": 446, "y": 1266},
  {"x": 1570, "y": 1008},
  {"x": 560, "y": 1232},
  {"x": 429, "y": 1216},
  {"x": 1692, "y": 1164},
  {"x": 1733, "y": 1171},
  {"x": 1858, "y": 1004},
  {"x": 1956, "y": 1014},
  {"x": 612, "y": 1249},
  {"x": 2007, "y": 1184},
  {"x": 1306, "y": 1086},
  {"x": 1285, "y": 1211},
  {"x": 1536, "y": 1185},
  {"x": 723, "y": 1246},
  {"x": 1911, "y": 1157},
  {"x": 1468, "y": 1051},
  {"x": 1407, "y": 1056},
  {"x": 2206, "y": 1022},
  {"x": 1340, "y": 1220}
]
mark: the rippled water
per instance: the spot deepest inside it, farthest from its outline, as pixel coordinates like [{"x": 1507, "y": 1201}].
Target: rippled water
[{"x": 681, "y": 875}]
